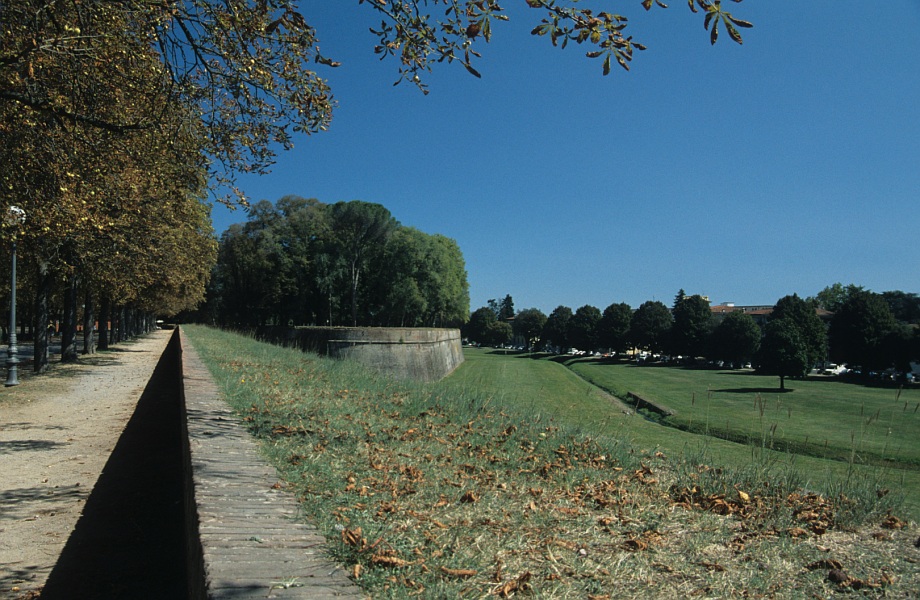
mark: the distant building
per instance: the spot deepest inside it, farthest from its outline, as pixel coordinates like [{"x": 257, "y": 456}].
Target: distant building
[{"x": 759, "y": 312}]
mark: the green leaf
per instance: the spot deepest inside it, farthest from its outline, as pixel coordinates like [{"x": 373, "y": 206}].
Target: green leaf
[
  {"x": 714, "y": 34},
  {"x": 739, "y": 22},
  {"x": 607, "y": 65},
  {"x": 732, "y": 32}
]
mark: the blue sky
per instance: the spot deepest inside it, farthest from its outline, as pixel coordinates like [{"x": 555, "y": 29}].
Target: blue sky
[{"x": 743, "y": 173}]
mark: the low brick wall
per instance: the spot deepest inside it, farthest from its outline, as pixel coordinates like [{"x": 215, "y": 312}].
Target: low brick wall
[{"x": 244, "y": 540}]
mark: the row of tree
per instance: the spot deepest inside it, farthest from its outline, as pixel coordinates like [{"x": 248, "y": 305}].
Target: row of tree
[
  {"x": 845, "y": 324},
  {"x": 303, "y": 262}
]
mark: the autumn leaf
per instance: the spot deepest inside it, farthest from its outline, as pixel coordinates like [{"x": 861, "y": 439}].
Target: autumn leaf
[
  {"x": 518, "y": 584},
  {"x": 389, "y": 561},
  {"x": 461, "y": 573},
  {"x": 469, "y": 497}
]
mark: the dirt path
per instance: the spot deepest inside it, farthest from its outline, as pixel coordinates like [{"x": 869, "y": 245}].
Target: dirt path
[{"x": 57, "y": 433}]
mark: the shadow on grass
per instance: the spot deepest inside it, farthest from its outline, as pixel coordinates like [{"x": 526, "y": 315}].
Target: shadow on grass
[
  {"x": 130, "y": 542},
  {"x": 755, "y": 390}
]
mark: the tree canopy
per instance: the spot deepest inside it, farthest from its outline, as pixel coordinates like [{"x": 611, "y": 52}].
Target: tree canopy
[
  {"x": 784, "y": 352},
  {"x": 691, "y": 326},
  {"x": 613, "y": 329},
  {"x": 812, "y": 330},
  {"x": 650, "y": 326},
  {"x": 304, "y": 262}
]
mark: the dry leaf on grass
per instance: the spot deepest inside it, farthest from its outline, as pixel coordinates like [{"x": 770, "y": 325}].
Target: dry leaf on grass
[
  {"x": 388, "y": 560},
  {"x": 469, "y": 497},
  {"x": 461, "y": 573},
  {"x": 892, "y": 522},
  {"x": 518, "y": 584}
]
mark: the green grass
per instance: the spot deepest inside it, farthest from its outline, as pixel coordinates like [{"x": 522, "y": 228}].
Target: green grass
[
  {"x": 513, "y": 476},
  {"x": 820, "y": 417},
  {"x": 849, "y": 446}
]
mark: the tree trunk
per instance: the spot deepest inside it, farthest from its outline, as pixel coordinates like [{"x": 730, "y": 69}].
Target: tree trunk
[
  {"x": 782, "y": 383},
  {"x": 354, "y": 295},
  {"x": 118, "y": 325},
  {"x": 69, "y": 328},
  {"x": 42, "y": 318},
  {"x": 89, "y": 318},
  {"x": 105, "y": 314}
]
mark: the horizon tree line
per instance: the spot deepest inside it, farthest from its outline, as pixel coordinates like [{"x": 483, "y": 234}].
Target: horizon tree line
[{"x": 861, "y": 328}]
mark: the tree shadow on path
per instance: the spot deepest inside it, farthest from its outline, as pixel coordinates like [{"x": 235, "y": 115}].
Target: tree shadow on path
[{"x": 130, "y": 541}]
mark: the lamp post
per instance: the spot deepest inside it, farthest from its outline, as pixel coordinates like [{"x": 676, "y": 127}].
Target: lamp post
[{"x": 14, "y": 218}]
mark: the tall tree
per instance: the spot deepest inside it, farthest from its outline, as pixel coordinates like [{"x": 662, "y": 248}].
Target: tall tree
[
  {"x": 528, "y": 324},
  {"x": 613, "y": 329},
  {"x": 556, "y": 329},
  {"x": 812, "y": 330},
  {"x": 479, "y": 326},
  {"x": 833, "y": 296},
  {"x": 859, "y": 329},
  {"x": 905, "y": 307},
  {"x": 582, "y": 328},
  {"x": 736, "y": 338},
  {"x": 359, "y": 229},
  {"x": 650, "y": 326},
  {"x": 783, "y": 352},
  {"x": 691, "y": 326}
]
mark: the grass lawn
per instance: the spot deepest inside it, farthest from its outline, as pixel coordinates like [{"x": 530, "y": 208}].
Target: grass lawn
[
  {"x": 514, "y": 477},
  {"x": 820, "y": 417},
  {"x": 539, "y": 385}
]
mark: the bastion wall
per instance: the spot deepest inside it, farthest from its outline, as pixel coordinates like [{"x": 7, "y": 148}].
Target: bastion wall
[{"x": 419, "y": 354}]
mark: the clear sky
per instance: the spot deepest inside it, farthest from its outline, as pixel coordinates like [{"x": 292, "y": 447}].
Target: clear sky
[{"x": 743, "y": 173}]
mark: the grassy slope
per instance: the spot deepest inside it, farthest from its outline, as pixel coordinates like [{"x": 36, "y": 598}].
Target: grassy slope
[
  {"x": 450, "y": 491},
  {"x": 824, "y": 417},
  {"x": 547, "y": 387}
]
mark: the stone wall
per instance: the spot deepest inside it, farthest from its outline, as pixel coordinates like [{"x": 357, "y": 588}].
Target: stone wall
[{"x": 403, "y": 352}]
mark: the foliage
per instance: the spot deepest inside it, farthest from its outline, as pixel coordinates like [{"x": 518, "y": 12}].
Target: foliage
[
  {"x": 859, "y": 329},
  {"x": 305, "y": 262},
  {"x": 478, "y": 327},
  {"x": 833, "y": 296},
  {"x": 811, "y": 328},
  {"x": 783, "y": 351},
  {"x": 419, "y": 41},
  {"x": 503, "y": 309},
  {"x": 736, "y": 338},
  {"x": 613, "y": 328},
  {"x": 650, "y": 326},
  {"x": 556, "y": 328},
  {"x": 243, "y": 67},
  {"x": 582, "y": 328},
  {"x": 528, "y": 324},
  {"x": 692, "y": 323},
  {"x": 905, "y": 307}
]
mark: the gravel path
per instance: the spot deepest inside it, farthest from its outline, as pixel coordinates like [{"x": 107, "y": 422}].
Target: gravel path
[{"x": 57, "y": 433}]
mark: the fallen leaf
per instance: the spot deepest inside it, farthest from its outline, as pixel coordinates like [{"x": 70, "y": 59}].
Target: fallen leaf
[
  {"x": 462, "y": 573},
  {"x": 386, "y": 560},
  {"x": 635, "y": 545},
  {"x": 515, "y": 585},
  {"x": 826, "y": 563},
  {"x": 469, "y": 497},
  {"x": 892, "y": 522}
]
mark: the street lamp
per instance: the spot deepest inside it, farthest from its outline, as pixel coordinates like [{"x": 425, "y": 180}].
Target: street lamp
[{"x": 14, "y": 219}]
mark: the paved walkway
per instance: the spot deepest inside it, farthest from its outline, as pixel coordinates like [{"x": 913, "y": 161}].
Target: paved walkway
[
  {"x": 67, "y": 450},
  {"x": 93, "y": 500}
]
